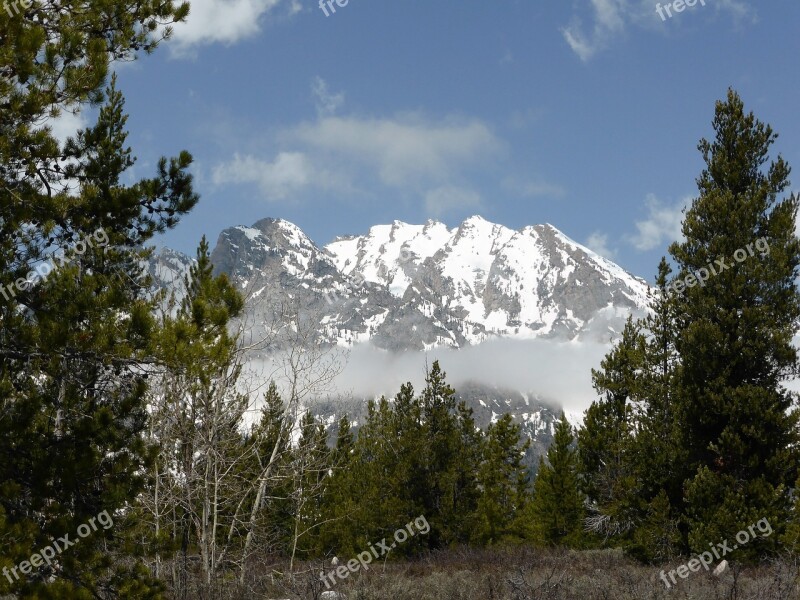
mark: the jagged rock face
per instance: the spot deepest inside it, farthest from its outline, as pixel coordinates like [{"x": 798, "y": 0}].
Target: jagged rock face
[
  {"x": 168, "y": 270},
  {"x": 413, "y": 287}
]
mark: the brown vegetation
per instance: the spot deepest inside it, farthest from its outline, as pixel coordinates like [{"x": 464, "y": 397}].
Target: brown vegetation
[{"x": 522, "y": 573}]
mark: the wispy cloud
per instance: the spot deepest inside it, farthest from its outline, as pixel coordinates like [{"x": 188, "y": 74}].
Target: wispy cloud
[
  {"x": 353, "y": 156},
  {"x": 610, "y": 18},
  {"x": 609, "y": 21},
  {"x": 740, "y": 10},
  {"x": 326, "y": 102},
  {"x": 662, "y": 225},
  {"x": 436, "y": 161},
  {"x": 598, "y": 242},
  {"x": 402, "y": 149},
  {"x": 286, "y": 175}
]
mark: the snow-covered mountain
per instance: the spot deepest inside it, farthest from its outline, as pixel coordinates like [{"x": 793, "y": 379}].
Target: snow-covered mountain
[
  {"x": 405, "y": 287},
  {"x": 413, "y": 287}
]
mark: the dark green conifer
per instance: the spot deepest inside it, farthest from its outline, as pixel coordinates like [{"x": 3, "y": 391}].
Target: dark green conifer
[
  {"x": 734, "y": 333},
  {"x": 76, "y": 343},
  {"x": 504, "y": 485},
  {"x": 558, "y": 506}
]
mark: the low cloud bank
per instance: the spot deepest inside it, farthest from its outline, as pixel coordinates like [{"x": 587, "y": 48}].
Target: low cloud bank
[{"x": 559, "y": 372}]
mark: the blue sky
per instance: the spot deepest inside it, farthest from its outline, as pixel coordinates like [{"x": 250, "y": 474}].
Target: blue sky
[{"x": 582, "y": 113}]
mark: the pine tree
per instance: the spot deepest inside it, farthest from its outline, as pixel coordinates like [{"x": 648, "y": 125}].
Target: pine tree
[
  {"x": 270, "y": 436},
  {"x": 657, "y": 454},
  {"x": 338, "y": 504},
  {"x": 557, "y": 507},
  {"x": 734, "y": 333},
  {"x": 631, "y": 445},
  {"x": 405, "y": 481},
  {"x": 372, "y": 479},
  {"x": 504, "y": 483},
  {"x": 606, "y": 439},
  {"x": 441, "y": 447},
  {"x": 75, "y": 344},
  {"x": 659, "y": 444},
  {"x": 467, "y": 467}
]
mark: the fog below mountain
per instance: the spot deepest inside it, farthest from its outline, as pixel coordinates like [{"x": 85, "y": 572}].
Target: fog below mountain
[{"x": 559, "y": 372}]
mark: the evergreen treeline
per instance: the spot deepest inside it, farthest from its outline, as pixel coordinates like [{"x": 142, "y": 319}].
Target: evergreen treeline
[{"x": 107, "y": 407}]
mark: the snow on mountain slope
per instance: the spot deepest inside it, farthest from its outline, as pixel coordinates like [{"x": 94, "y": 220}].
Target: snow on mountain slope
[
  {"x": 494, "y": 280},
  {"x": 388, "y": 252},
  {"x": 404, "y": 287}
]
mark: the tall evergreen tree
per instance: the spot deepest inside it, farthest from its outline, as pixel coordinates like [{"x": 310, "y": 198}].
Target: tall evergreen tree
[
  {"x": 74, "y": 340},
  {"x": 374, "y": 484},
  {"x": 658, "y": 448},
  {"x": 70, "y": 397},
  {"x": 467, "y": 467},
  {"x": 631, "y": 444},
  {"x": 338, "y": 504},
  {"x": 504, "y": 485},
  {"x": 406, "y": 483},
  {"x": 606, "y": 439},
  {"x": 734, "y": 333},
  {"x": 274, "y": 523},
  {"x": 659, "y": 445},
  {"x": 442, "y": 444},
  {"x": 558, "y": 507}
]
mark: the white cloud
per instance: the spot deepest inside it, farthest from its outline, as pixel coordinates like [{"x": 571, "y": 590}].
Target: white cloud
[
  {"x": 521, "y": 365},
  {"x": 67, "y": 125},
  {"x": 448, "y": 198},
  {"x": 225, "y": 21},
  {"x": 326, "y": 102},
  {"x": 289, "y": 173},
  {"x": 609, "y": 21},
  {"x": 402, "y": 149},
  {"x": 610, "y": 18},
  {"x": 662, "y": 226},
  {"x": 430, "y": 159},
  {"x": 598, "y": 242}
]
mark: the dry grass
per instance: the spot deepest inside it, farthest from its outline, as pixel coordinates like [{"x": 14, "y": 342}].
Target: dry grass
[{"x": 524, "y": 574}]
